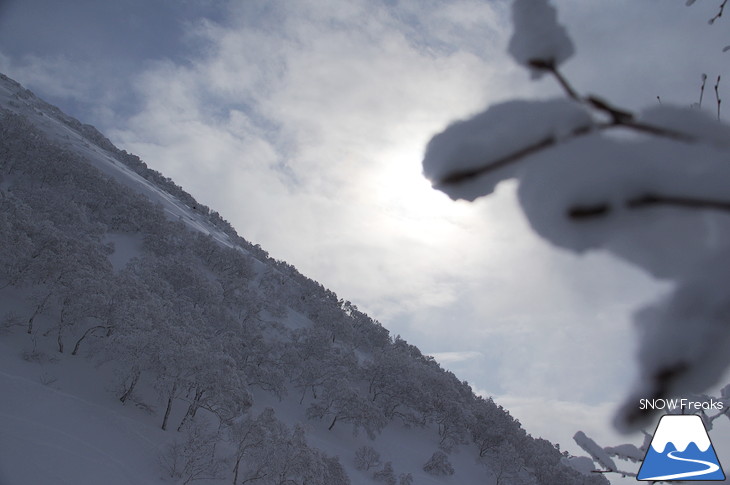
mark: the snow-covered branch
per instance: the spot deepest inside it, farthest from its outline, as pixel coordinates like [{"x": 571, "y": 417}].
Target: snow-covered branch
[
  {"x": 647, "y": 201},
  {"x": 656, "y": 197}
]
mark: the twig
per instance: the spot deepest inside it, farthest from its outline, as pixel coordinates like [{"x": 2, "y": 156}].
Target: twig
[
  {"x": 622, "y": 473},
  {"x": 618, "y": 115},
  {"x": 702, "y": 88},
  {"x": 549, "y": 66},
  {"x": 657, "y": 131},
  {"x": 719, "y": 14},
  {"x": 717, "y": 94}
]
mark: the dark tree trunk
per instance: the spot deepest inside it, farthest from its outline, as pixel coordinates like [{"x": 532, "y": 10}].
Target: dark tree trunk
[
  {"x": 86, "y": 334},
  {"x": 132, "y": 385},
  {"x": 38, "y": 310},
  {"x": 235, "y": 469},
  {"x": 192, "y": 408},
  {"x": 169, "y": 406},
  {"x": 59, "y": 337}
]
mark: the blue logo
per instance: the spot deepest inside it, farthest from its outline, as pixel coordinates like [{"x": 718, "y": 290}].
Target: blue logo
[{"x": 681, "y": 450}]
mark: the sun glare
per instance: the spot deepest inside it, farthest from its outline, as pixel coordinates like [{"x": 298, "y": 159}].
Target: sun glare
[{"x": 408, "y": 201}]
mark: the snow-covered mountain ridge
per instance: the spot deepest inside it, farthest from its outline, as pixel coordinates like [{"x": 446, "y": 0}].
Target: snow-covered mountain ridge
[
  {"x": 125, "y": 168},
  {"x": 144, "y": 340}
]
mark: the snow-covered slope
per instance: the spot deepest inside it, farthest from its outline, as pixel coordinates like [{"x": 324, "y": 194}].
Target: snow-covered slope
[
  {"x": 143, "y": 341},
  {"x": 85, "y": 140},
  {"x": 52, "y": 433}
]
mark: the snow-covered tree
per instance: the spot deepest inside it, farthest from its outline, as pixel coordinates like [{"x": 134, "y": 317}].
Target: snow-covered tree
[
  {"x": 368, "y": 334},
  {"x": 82, "y": 292},
  {"x": 313, "y": 360},
  {"x": 366, "y": 457},
  {"x": 506, "y": 464},
  {"x": 193, "y": 456},
  {"x": 253, "y": 438},
  {"x": 392, "y": 380},
  {"x": 386, "y": 475},
  {"x": 439, "y": 465},
  {"x": 340, "y": 401},
  {"x": 215, "y": 386},
  {"x": 132, "y": 341},
  {"x": 16, "y": 239},
  {"x": 490, "y": 426}
]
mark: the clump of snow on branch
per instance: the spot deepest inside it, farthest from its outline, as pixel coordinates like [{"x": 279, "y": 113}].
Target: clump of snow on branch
[
  {"x": 538, "y": 37},
  {"x": 603, "y": 456},
  {"x": 685, "y": 338},
  {"x": 627, "y": 452},
  {"x": 691, "y": 122},
  {"x": 479, "y": 152},
  {"x": 596, "y": 452},
  {"x": 655, "y": 196},
  {"x": 633, "y": 199}
]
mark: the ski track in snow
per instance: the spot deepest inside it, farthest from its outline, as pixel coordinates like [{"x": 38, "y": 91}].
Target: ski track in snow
[{"x": 711, "y": 468}]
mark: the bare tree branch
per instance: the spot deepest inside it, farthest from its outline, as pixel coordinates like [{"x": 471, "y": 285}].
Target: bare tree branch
[
  {"x": 719, "y": 14},
  {"x": 549, "y": 66},
  {"x": 618, "y": 115},
  {"x": 702, "y": 89},
  {"x": 657, "y": 131},
  {"x": 717, "y": 95}
]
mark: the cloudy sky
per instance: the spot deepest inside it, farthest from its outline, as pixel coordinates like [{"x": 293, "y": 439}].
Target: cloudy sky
[{"x": 304, "y": 124}]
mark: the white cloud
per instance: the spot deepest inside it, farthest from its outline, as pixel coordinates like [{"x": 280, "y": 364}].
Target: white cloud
[
  {"x": 309, "y": 136},
  {"x": 460, "y": 356}
]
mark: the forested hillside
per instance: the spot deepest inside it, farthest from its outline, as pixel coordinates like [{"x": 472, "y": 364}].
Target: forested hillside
[{"x": 256, "y": 373}]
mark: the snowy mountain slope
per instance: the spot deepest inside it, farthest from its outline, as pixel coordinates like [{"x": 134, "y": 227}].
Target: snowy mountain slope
[
  {"x": 52, "y": 436},
  {"x": 70, "y": 134},
  {"x": 143, "y": 339}
]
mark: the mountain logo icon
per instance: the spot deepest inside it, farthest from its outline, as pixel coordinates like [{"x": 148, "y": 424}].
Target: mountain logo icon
[{"x": 681, "y": 450}]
